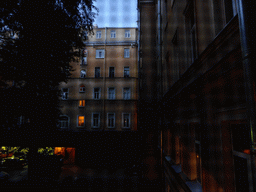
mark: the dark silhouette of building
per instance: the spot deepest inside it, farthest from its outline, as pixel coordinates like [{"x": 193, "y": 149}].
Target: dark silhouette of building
[{"x": 197, "y": 91}]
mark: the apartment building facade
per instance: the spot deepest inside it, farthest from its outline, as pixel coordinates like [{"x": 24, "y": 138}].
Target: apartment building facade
[
  {"x": 205, "y": 91},
  {"x": 101, "y": 93}
]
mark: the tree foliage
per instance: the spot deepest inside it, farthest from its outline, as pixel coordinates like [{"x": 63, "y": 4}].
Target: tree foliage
[{"x": 38, "y": 41}]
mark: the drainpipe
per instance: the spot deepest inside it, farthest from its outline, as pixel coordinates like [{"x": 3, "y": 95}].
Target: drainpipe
[
  {"x": 104, "y": 79},
  {"x": 159, "y": 49},
  {"x": 247, "y": 37},
  {"x": 160, "y": 81}
]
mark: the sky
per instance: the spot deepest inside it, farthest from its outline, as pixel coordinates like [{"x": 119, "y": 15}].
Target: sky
[{"x": 116, "y": 13}]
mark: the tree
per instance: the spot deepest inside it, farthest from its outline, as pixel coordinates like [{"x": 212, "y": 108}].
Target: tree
[{"x": 38, "y": 41}]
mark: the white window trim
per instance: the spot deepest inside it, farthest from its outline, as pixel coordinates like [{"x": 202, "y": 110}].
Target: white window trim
[
  {"x": 84, "y": 60},
  {"x": 81, "y": 89},
  {"x": 127, "y": 33},
  {"x": 129, "y": 92},
  {"x": 114, "y": 34},
  {"x": 114, "y": 93},
  {"x": 66, "y": 93},
  {"x": 128, "y": 70},
  {"x": 123, "y": 120},
  {"x": 97, "y": 54},
  {"x": 78, "y": 121},
  {"x": 98, "y": 34},
  {"x": 125, "y": 53},
  {"x": 94, "y": 93},
  {"x": 68, "y": 122},
  {"x": 83, "y": 75},
  {"x": 82, "y": 102},
  {"x": 92, "y": 120},
  {"x": 114, "y": 121}
]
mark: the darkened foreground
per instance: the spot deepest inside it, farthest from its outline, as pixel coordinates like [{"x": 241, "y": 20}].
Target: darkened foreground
[{"x": 103, "y": 162}]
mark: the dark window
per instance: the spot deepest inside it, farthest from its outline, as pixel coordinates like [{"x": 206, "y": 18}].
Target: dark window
[
  {"x": 240, "y": 137},
  {"x": 111, "y": 72},
  {"x": 111, "y": 120},
  {"x": 97, "y": 72},
  {"x": 96, "y": 120},
  {"x": 228, "y": 10},
  {"x": 126, "y": 72},
  {"x": 96, "y": 93}
]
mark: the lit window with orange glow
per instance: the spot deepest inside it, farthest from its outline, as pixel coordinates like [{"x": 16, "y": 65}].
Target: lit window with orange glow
[
  {"x": 80, "y": 121},
  {"x": 81, "y": 103}
]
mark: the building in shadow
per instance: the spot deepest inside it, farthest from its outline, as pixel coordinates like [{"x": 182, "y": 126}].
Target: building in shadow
[{"x": 197, "y": 92}]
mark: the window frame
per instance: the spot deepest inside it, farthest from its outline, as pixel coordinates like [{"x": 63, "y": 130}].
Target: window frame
[
  {"x": 97, "y": 72},
  {"x": 66, "y": 94},
  {"x": 78, "y": 120},
  {"x": 81, "y": 103},
  {"x": 98, "y": 35},
  {"x": 126, "y": 53},
  {"x": 92, "y": 120},
  {"x": 114, "y": 120},
  {"x": 233, "y": 9},
  {"x": 123, "y": 123},
  {"x": 129, "y": 92},
  {"x": 94, "y": 93},
  {"x": 68, "y": 122},
  {"x": 113, "y": 94},
  {"x": 81, "y": 89},
  {"x": 84, "y": 55},
  {"x": 113, "y": 34},
  {"x": 111, "y": 72},
  {"x": 83, "y": 75},
  {"x": 98, "y": 51},
  {"x": 127, "y": 33},
  {"x": 191, "y": 33},
  {"x": 125, "y": 75}
]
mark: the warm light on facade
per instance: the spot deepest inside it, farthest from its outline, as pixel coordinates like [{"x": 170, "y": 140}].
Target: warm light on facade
[
  {"x": 80, "y": 120},
  {"x": 81, "y": 103}
]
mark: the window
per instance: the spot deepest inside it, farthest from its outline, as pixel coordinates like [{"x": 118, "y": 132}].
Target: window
[
  {"x": 80, "y": 121},
  {"x": 113, "y": 34},
  {"x": 23, "y": 119},
  {"x": 97, "y": 72},
  {"x": 95, "y": 120},
  {"x": 126, "y": 53},
  {"x": 85, "y": 35},
  {"x": 84, "y": 57},
  {"x": 126, "y": 72},
  {"x": 98, "y": 34},
  {"x": 111, "y": 120},
  {"x": 81, "y": 103},
  {"x": 127, "y": 34},
  {"x": 84, "y": 61},
  {"x": 111, "y": 93},
  {"x": 65, "y": 93},
  {"x": 82, "y": 89},
  {"x": 100, "y": 53},
  {"x": 126, "y": 120},
  {"x": 127, "y": 93},
  {"x": 111, "y": 72},
  {"x": 191, "y": 33},
  {"x": 64, "y": 121},
  {"x": 96, "y": 94},
  {"x": 230, "y": 9},
  {"x": 82, "y": 73}
]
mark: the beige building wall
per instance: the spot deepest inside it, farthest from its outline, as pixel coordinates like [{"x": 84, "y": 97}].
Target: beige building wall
[{"x": 81, "y": 88}]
